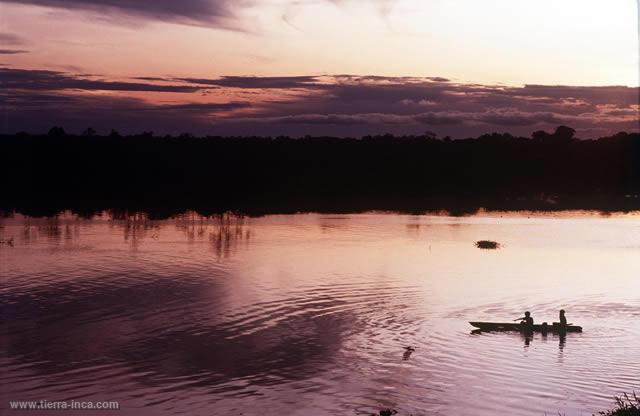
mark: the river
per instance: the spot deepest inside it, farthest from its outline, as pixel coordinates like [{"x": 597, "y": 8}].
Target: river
[{"x": 310, "y": 314}]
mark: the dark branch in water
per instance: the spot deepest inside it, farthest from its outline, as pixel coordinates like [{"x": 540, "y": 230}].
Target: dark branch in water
[{"x": 163, "y": 176}]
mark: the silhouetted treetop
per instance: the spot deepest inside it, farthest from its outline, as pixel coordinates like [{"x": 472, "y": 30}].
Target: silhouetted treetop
[{"x": 56, "y": 131}]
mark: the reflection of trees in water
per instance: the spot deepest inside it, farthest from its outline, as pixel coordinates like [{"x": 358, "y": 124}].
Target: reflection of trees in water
[
  {"x": 51, "y": 229},
  {"x": 333, "y": 223},
  {"x": 5, "y": 239},
  {"x": 55, "y": 229},
  {"x": 225, "y": 232},
  {"x": 413, "y": 228},
  {"x": 136, "y": 226}
]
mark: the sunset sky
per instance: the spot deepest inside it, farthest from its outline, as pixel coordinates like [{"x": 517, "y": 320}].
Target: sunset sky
[{"x": 337, "y": 67}]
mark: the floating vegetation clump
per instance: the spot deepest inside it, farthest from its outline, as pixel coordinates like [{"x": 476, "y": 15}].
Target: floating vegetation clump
[
  {"x": 386, "y": 412},
  {"x": 487, "y": 244}
]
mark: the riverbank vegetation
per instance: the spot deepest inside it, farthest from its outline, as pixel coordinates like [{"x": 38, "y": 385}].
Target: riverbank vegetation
[{"x": 44, "y": 174}]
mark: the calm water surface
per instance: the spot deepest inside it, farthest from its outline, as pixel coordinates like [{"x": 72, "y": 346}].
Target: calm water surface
[{"x": 310, "y": 314}]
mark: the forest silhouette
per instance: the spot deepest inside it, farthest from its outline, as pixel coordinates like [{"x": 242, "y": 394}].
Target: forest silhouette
[{"x": 88, "y": 173}]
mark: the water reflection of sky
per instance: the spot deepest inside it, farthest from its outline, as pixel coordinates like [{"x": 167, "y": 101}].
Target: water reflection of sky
[{"x": 311, "y": 313}]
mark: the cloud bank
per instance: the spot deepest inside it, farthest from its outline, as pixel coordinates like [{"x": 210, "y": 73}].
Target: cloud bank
[{"x": 340, "y": 105}]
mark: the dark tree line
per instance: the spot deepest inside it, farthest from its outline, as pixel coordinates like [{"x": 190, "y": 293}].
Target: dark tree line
[{"x": 164, "y": 175}]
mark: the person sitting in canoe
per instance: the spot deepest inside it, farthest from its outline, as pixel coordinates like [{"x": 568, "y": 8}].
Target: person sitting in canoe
[
  {"x": 526, "y": 321},
  {"x": 563, "y": 318}
]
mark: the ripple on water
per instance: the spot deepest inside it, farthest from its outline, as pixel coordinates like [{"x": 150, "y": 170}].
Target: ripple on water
[{"x": 170, "y": 325}]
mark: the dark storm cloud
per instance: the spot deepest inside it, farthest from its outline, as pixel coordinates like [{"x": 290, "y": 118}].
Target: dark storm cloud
[
  {"x": 158, "y": 79},
  {"x": 387, "y": 92},
  {"x": 36, "y": 100},
  {"x": 205, "y": 107},
  {"x": 12, "y": 51},
  {"x": 334, "y": 119},
  {"x": 439, "y": 119},
  {"x": 314, "y": 82},
  {"x": 595, "y": 95},
  {"x": 29, "y": 101},
  {"x": 184, "y": 11},
  {"x": 27, "y": 79},
  {"x": 257, "y": 82},
  {"x": 511, "y": 117}
]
